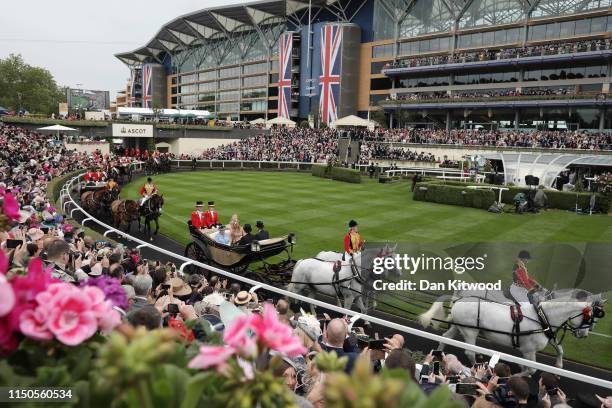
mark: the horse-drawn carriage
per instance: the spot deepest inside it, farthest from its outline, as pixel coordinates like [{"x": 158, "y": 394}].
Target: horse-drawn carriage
[{"x": 238, "y": 258}]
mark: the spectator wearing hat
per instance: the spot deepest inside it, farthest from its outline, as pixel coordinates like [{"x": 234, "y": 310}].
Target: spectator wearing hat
[
  {"x": 36, "y": 235},
  {"x": 247, "y": 238},
  {"x": 197, "y": 217},
  {"x": 261, "y": 232},
  {"x": 242, "y": 299},
  {"x": 211, "y": 217}
]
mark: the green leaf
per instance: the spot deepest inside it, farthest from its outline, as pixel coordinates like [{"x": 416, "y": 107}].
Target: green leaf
[{"x": 196, "y": 386}]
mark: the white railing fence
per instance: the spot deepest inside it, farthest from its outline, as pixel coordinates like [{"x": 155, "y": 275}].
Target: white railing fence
[{"x": 66, "y": 200}]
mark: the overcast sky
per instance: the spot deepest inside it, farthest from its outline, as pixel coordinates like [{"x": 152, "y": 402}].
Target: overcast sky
[{"x": 76, "y": 40}]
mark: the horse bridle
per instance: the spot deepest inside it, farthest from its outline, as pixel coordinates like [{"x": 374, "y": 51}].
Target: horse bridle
[{"x": 589, "y": 315}]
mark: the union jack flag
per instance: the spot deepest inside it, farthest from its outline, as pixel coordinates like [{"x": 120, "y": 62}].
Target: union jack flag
[
  {"x": 147, "y": 91},
  {"x": 284, "y": 78},
  {"x": 331, "y": 39},
  {"x": 132, "y": 101}
]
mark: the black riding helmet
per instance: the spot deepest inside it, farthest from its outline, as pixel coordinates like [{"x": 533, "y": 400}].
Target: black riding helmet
[{"x": 524, "y": 254}]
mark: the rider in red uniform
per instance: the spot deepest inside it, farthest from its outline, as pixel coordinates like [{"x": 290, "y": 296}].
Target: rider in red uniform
[
  {"x": 147, "y": 190},
  {"x": 524, "y": 286}
]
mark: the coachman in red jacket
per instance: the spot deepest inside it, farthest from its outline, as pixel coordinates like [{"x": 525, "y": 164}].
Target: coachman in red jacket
[
  {"x": 197, "y": 217},
  {"x": 211, "y": 217}
]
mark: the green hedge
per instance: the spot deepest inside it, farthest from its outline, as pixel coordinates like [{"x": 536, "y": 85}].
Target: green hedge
[
  {"x": 389, "y": 179},
  {"x": 55, "y": 185},
  {"x": 454, "y": 195},
  {"x": 319, "y": 170},
  {"x": 560, "y": 200},
  {"x": 336, "y": 173},
  {"x": 563, "y": 200},
  {"x": 346, "y": 175},
  {"x": 46, "y": 121}
]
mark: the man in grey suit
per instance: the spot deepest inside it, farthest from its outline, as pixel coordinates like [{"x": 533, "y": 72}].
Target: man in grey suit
[{"x": 142, "y": 289}]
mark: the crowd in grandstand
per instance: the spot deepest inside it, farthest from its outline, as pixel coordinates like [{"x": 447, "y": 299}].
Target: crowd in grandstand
[
  {"x": 505, "y": 53},
  {"x": 152, "y": 294},
  {"x": 309, "y": 145},
  {"x": 295, "y": 145},
  {"x": 583, "y": 140},
  {"x": 484, "y": 94},
  {"x": 378, "y": 151}
]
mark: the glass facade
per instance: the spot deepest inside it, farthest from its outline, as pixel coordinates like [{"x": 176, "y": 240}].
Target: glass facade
[
  {"x": 423, "y": 46},
  {"x": 491, "y": 12},
  {"x": 549, "y": 8},
  {"x": 211, "y": 75},
  {"x": 553, "y": 31},
  {"x": 573, "y": 72},
  {"x": 488, "y": 38},
  {"x": 425, "y": 17}
]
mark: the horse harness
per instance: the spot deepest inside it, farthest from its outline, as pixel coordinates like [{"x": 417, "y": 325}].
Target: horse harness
[
  {"x": 336, "y": 281},
  {"x": 589, "y": 314}
]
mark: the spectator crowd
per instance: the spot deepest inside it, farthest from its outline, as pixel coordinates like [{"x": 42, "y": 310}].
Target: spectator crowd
[
  {"x": 152, "y": 294},
  {"x": 505, "y": 53}
]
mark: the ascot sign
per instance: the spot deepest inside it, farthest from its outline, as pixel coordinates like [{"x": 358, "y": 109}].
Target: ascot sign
[{"x": 131, "y": 130}]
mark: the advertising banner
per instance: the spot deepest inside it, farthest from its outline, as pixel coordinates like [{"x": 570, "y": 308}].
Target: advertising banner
[{"x": 132, "y": 130}]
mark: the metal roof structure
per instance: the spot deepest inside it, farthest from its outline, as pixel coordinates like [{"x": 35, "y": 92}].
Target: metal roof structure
[
  {"x": 234, "y": 22},
  {"x": 545, "y": 166}
]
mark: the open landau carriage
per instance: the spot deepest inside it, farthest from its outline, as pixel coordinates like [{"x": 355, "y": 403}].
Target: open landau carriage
[{"x": 238, "y": 258}]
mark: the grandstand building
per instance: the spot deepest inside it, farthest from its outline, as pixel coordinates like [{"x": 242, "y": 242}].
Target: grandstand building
[{"x": 434, "y": 63}]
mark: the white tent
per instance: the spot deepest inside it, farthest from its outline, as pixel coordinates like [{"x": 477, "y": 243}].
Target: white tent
[
  {"x": 280, "y": 121},
  {"x": 258, "y": 121},
  {"x": 148, "y": 112},
  {"x": 354, "y": 121},
  {"x": 58, "y": 129}
]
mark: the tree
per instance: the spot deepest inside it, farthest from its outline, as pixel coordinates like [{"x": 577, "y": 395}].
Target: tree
[
  {"x": 379, "y": 117},
  {"x": 23, "y": 86}
]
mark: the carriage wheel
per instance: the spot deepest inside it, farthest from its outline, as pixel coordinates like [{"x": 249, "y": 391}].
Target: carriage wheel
[{"x": 194, "y": 252}]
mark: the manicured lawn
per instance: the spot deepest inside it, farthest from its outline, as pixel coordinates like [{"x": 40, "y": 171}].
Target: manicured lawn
[{"x": 318, "y": 210}]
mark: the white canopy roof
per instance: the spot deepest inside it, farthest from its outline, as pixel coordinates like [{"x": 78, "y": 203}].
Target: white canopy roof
[
  {"x": 258, "y": 121},
  {"x": 354, "y": 121},
  {"x": 280, "y": 121},
  {"x": 56, "y": 127},
  {"x": 163, "y": 112}
]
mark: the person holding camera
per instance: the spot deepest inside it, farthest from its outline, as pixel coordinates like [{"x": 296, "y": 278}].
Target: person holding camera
[{"x": 60, "y": 258}]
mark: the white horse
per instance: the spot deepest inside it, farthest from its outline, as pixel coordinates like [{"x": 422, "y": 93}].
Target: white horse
[
  {"x": 317, "y": 275},
  {"x": 492, "y": 316}
]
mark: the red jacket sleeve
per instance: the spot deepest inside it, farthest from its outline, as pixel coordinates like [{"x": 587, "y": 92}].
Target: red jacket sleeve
[
  {"x": 195, "y": 220},
  {"x": 524, "y": 279},
  {"x": 142, "y": 190},
  {"x": 347, "y": 243}
]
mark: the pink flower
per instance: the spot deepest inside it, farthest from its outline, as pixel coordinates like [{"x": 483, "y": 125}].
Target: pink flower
[
  {"x": 37, "y": 280},
  {"x": 3, "y": 263},
  {"x": 107, "y": 318},
  {"x": 276, "y": 335},
  {"x": 34, "y": 324},
  {"x": 7, "y": 296},
  {"x": 10, "y": 207},
  {"x": 212, "y": 356},
  {"x": 70, "y": 315},
  {"x": 236, "y": 335}
]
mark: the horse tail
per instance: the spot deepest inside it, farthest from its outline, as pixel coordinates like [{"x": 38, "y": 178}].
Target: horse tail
[{"x": 434, "y": 315}]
